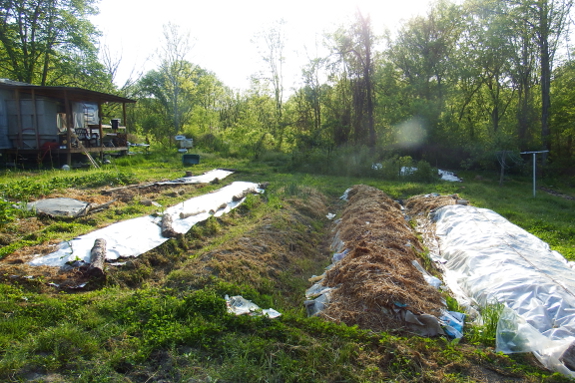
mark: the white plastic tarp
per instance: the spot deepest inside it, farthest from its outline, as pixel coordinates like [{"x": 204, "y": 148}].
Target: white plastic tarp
[
  {"x": 488, "y": 259},
  {"x": 445, "y": 175},
  {"x": 136, "y": 236},
  {"x": 199, "y": 179}
]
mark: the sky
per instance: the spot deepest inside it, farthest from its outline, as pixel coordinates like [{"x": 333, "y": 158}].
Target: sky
[{"x": 222, "y": 32}]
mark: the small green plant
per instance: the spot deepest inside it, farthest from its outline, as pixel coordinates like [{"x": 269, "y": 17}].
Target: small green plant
[
  {"x": 485, "y": 331},
  {"x": 452, "y": 304},
  {"x": 8, "y": 213}
]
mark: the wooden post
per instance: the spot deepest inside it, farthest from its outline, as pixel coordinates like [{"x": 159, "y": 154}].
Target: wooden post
[
  {"x": 69, "y": 124},
  {"x": 100, "y": 129},
  {"x": 19, "y": 118},
  {"x": 35, "y": 119},
  {"x": 97, "y": 258},
  {"x": 124, "y": 116}
]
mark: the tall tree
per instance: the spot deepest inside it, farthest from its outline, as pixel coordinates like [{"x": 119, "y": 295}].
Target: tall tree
[
  {"x": 489, "y": 55},
  {"x": 563, "y": 114},
  {"x": 549, "y": 20},
  {"x": 171, "y": 89},
  {"x": 271, "y": 43},
  {"x": 353, "y": 50},
  {"x": 423, "y": 51},
  {"x": 39, "y": 37},
  {"x": 545, "y": 23}
]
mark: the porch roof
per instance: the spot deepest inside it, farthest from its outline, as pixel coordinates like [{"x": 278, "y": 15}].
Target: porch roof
[{"x": 63, "y": 92}]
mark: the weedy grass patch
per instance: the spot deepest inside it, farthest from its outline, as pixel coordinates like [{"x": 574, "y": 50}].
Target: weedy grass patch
[{"x": 163, "y": 315}]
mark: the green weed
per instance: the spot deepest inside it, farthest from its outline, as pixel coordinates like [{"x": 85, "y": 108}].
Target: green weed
[{"x": 485, "y": 331}]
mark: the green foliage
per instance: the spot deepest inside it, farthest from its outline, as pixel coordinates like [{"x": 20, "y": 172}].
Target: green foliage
[
  {"x": 51, "y": 44},
  {"x": 8, "y": 212},
  {"x": 424, "y": 173},
  {"x": 452, "y": 304},
  {"x": 202, "y": 302},
  {"x": 484, "y": 332}
]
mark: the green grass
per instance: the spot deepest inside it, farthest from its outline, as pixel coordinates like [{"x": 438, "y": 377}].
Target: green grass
[
  {"x": 160, "y": 329},
  {"x": 485, "y": 331}
]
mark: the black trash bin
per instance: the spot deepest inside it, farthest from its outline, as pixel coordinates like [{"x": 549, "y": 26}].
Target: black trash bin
[{"x": 191, "y": 159}]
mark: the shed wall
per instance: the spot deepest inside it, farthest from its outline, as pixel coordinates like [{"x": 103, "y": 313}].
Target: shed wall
[
  {"x": 4, "y": 141},
  {"x": 38, "y": 125}
]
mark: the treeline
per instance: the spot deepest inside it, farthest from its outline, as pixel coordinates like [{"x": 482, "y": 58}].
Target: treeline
[{"x": 456, "y": 87}]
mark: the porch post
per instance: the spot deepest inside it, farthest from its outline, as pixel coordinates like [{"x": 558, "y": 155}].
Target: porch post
[
  {"x": 19, "y": 118},
  {"x": 69, "y": 124},
  {"x": 124, "y": 116},
  {"x": 35, "y": 119},
  {"x": 101, "y": 130}
]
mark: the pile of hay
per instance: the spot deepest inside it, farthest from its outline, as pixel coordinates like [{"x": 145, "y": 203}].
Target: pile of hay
[
  {"x": 376, "y": 282},
  {"x": 422, "y": 204}
]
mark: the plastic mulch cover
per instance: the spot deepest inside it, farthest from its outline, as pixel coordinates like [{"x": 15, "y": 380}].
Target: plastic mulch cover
[
  {"x": 59, "y": 207},
  {"x": 133, "y": 237},
  {"x": 488, "y": 259}
]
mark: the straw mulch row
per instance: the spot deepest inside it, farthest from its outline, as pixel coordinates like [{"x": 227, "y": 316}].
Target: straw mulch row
[
  {"x": 421, "y": 205},
  {"x": 377, "y": 279}
]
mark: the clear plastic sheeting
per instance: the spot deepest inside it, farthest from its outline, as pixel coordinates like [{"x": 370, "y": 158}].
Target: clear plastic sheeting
[
  {"x": 433, "y": 281},
  {"x": 488, "y": 259},
  {"x": 448, "y": 176},
  {"x": 59, "y": 207},
  {"x": 134, "y": 237},
  {"x": 238, "y": 305},
  {"x": 318, "y": 296}
]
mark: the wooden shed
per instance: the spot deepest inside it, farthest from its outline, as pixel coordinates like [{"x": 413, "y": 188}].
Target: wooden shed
[{"x": 61, "y": 121}]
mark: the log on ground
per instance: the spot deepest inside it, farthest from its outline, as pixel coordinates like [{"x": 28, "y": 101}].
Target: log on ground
[
  {"x": 167, "y": 229},
  {"x": 97, "y": 258}
]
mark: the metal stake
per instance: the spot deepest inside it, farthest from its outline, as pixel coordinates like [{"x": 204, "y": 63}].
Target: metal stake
[{"x": 535, "y": 165}]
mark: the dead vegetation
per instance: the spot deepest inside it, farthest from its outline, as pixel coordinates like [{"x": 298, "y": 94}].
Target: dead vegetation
[
  {"x": 421, "y": 205},
  {"x": 377, "y": 278},
  {"x": 279, "y": 251}
]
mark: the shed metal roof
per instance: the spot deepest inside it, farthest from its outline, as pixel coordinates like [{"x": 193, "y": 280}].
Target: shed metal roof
[{"x": 63, "y": 92}]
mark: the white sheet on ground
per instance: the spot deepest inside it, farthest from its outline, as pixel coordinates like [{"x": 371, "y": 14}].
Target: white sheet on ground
[
  {"x": 199, "y": 179},
  {"x": 445, "y": 175},
  {"x": 135, "y": 236},
  {"x": 448, "y": 176},
  {"x": 489, "y": 259}
]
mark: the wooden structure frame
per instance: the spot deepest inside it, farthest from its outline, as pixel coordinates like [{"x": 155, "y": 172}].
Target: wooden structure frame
[{"x": 66, "y": 98}]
